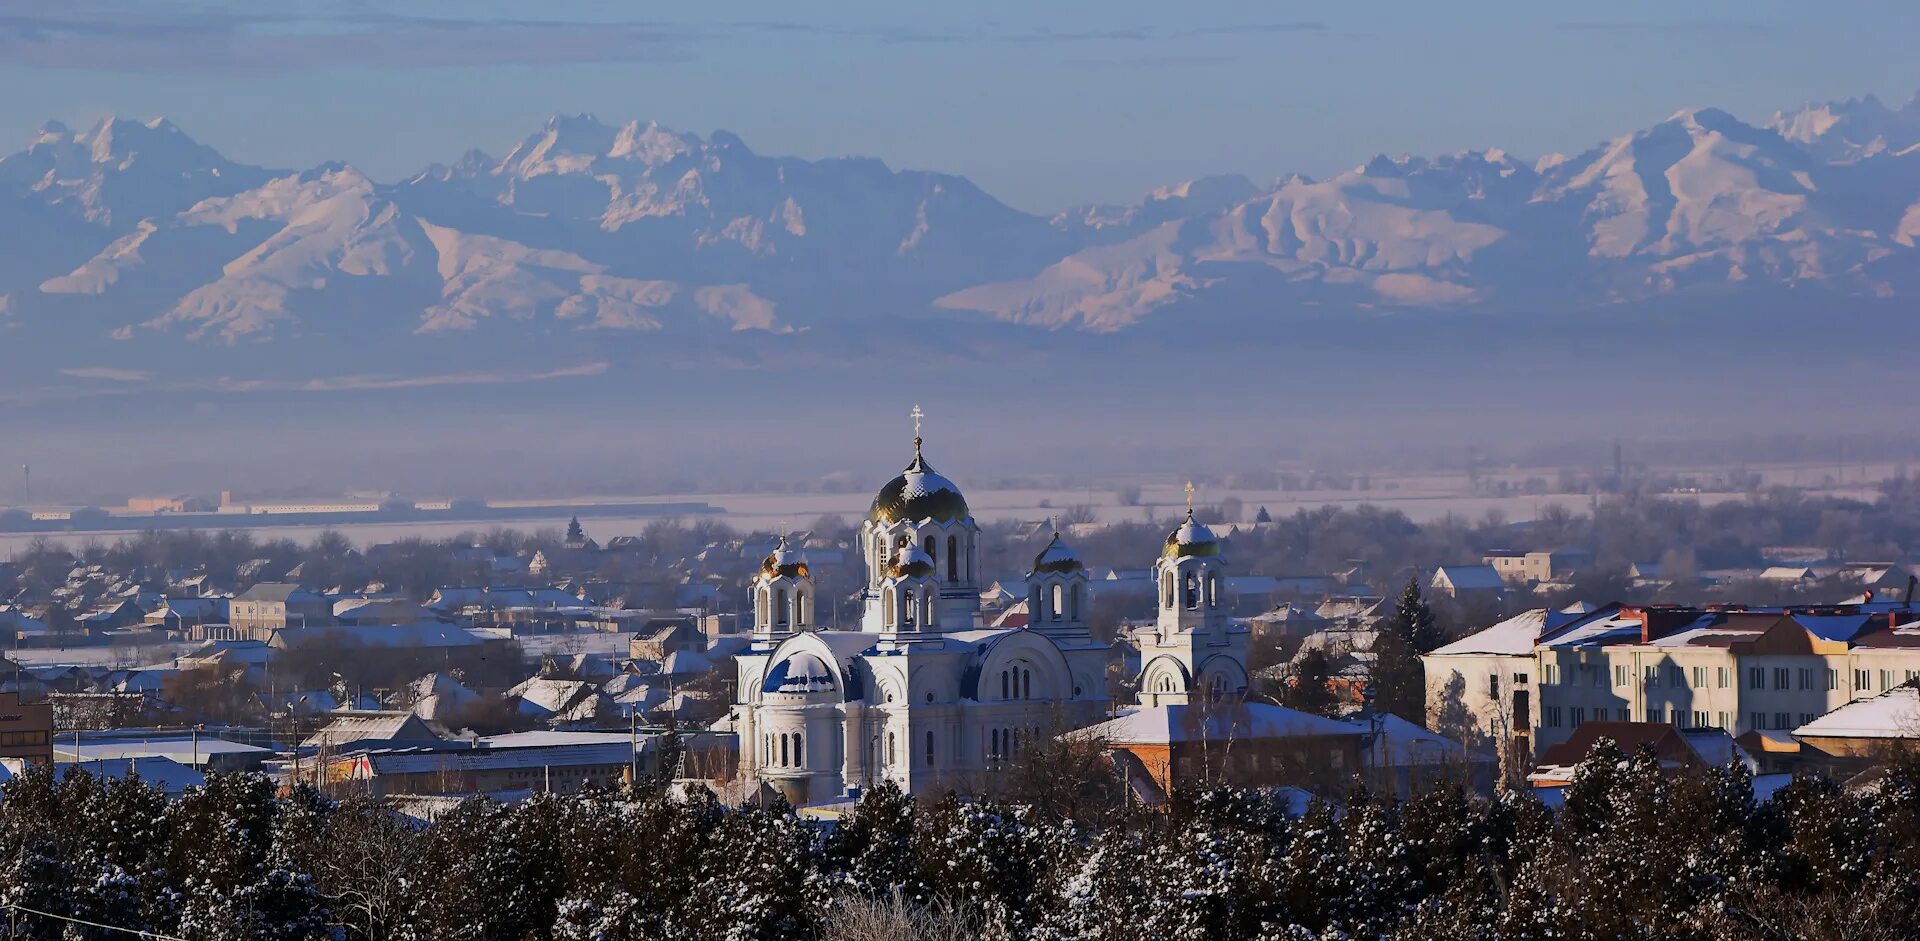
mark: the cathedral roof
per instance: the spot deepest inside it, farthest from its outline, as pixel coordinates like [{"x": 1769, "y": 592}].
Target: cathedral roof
[
  {"x": 912, "y": 562},
  {"x": 1057, "y": 557},
  {"x": 1191, "y": 539},
  {"x": 919, "y": 493},
  {"x": 799, "y": 674},
  {"x": 784, "y": 561}
]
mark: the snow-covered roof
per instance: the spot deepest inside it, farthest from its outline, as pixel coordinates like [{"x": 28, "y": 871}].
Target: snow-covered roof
[
  {"x": 1892, "y": 714},
  {"x": 1468, "y": 577},
  {"x": 381, "y": 725},
  {"x": 1163, "y": 725},
  {"x": 170, "y": 776},
  {"x": 1513, "y": 637},
  {"x": 1402, "y": 743},
  {"x": 174, "y": 746}
]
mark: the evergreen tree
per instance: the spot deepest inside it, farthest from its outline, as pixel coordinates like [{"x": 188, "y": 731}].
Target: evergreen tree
[
  {"x": 575, "y": 534},
  {"x": 1399, "y": 678}
]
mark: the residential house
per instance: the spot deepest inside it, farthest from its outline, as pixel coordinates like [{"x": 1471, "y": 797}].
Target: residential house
[
  {"x": 1466, "y": 581},
  {"x": 272, "y": 606},
  {"x": 1528, "y": 568}
]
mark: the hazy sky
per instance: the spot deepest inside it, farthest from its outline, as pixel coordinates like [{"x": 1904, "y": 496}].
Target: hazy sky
[{"x": 1043, "y": 103}]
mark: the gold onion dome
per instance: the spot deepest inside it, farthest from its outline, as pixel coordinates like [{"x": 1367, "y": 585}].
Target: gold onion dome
[
  {"x": 1191, "y": 539},
  {"x": 784, "y": 561},
  {"x": 912, "y": 562},
  {"x": 1056, "y": 557},
  {"x": 919, "y": 493}
]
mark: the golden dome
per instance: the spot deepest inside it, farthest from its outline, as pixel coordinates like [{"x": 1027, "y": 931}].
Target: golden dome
[{"x": 919, "y": 493}]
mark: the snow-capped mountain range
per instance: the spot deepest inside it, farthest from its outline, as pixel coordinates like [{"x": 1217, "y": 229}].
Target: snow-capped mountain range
[{"x": 132, "y": 229}]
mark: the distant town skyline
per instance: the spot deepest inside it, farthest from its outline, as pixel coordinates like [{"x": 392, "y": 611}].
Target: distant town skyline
[{"x": 1044, "y": 106}]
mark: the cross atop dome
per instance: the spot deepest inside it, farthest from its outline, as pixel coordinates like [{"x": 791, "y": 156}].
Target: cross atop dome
[{"x": 1189, "y": 499}]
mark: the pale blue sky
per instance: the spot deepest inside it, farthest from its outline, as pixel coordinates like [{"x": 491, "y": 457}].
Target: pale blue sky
[{"x": 1045, "y": 104}]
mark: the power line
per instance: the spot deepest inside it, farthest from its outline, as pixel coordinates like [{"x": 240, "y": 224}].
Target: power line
[{"x": 94, "y": 924}]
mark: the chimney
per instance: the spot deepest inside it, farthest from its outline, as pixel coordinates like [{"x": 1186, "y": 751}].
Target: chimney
[{"x": 1657, "y": 621}]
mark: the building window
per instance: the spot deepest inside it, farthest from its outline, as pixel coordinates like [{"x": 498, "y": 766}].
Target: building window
[
  {"x": 783, "y": 751},
  {"x": 1651, "y": 677},
  {"x": 1624, "y": 714},
  {"x": 929, "y": 748},
  {"x": 1833, "y": 679},
  {"x": 1619, "y": 674},
  {"x": 1760, "y": 720},
  {"x": 1756, "y": 678},
  {"x": 1862, "y": 680},
  {"x": 799, "y": 753},
  {"x": 1656, "y": 713},
  {"x": 1722, "y": 676},
  {"x": 1780, "y": 721},
  {"x": 1552, "y": 716},
  {"x": 1493, "y": 686},
  {"x": 953, "y": 558},
  {"x": 1699, "y": 677},
  {"x": 1806, "y": 717},
  {"x": 1723, "y": 720},
  {"x": 890, "y": 751},
  {"x": 1678, "y": 676},
  {"x": 1579, "y": 715},
  {"x": 1519, "y": 679},
  {"x": 1886, "y": 679},
  {"x": 1699, "y": 719},
  {"x": 1781, "y": 676}
]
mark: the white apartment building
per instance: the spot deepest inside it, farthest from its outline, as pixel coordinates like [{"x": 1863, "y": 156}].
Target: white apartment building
[{"x": 1764, "y": 670}]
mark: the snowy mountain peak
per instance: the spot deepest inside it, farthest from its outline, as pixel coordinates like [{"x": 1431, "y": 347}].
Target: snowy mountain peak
[{"x": 651, "y": 144}]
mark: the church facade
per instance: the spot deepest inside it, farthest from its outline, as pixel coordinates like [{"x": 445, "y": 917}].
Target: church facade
[{"x": 923, "y": 694}]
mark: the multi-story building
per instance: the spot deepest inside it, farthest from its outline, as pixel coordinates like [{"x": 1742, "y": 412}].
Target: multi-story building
[
  {"x": 26, "y": 730},
  {"x": 272, "y": 606},
  {"x": 1760, "y": 670}
]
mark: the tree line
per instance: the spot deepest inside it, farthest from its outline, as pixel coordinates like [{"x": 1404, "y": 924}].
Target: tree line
[{"x": 1635, "y": 851}]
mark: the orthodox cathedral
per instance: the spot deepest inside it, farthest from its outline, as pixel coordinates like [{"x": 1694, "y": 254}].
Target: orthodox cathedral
[{"x": 922, "y": 693}]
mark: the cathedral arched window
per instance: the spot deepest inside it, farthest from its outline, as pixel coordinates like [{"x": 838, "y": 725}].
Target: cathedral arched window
[
  {"x": 886, "y": 608},
  {"x": 1166, "y": 589},
  {"x": 993, "y": 749},
  {"x": 1192, "y": 590},
  {"x": 890, "y": 751},
  {"x": 780, "y": 605},
  {"x": 953, "y": 558},
  {"x": 799, "y": 608},
  {"x": 1213, "y": 589},
  {"x": 1026, "y": 684},
  {"x": 1076, "y": 601},
  {"x": 1004, "y": 694},
  {"x": 783, "y": 751},
  {"x": 799, "y": 754},
  {"x": 1058, "y": 597},
  {"x": 929, "y": 748},
  {"x": 929, "y": 545}
]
